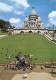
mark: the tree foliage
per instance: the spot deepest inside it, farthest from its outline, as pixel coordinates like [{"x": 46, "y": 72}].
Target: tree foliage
[{"x": 4, "y": 25}]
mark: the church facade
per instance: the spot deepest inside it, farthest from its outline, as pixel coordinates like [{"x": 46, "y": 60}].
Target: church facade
[
  {"x": 34, "y": 21},
  {"x": 33, "y": 24}
]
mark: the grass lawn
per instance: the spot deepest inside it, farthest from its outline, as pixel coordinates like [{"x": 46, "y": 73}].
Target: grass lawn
[
  {"x": 52, "y": 33},
  {"x": 3, "y": 33},
  {"x": 34, "y": 44}
]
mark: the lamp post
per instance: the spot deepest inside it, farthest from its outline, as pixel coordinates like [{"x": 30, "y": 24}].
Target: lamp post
[
  {"x": 48, "y": 29},
  {"x": 53, "y": 31},
  {"x": 53, "y": 26}
]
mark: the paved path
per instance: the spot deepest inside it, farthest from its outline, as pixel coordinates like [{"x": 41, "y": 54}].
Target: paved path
[
  {"x": 34, "y": 76},
  {"x": 50, "y": 38},
  {"x": 54, "y": 38},
  {"x": 2, "y": 36}
]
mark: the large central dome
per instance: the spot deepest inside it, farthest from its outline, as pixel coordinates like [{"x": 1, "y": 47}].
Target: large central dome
[{"x": 33, "y": 13}]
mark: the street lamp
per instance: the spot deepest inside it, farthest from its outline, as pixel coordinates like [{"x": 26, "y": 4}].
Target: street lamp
[
  {"x": 53, "y": 26},
  {"x": 53, "y": 31}
]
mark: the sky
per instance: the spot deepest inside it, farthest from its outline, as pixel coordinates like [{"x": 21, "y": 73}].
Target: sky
[{"x": 15, "y": 11}]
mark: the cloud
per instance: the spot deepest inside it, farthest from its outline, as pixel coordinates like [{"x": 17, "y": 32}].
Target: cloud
[
  {"x": 47, "y": 25},
  {"x": 5, "y": 7},
  {"x": 14, "y": 20},
  {"x": 23, "y": 3},
  {"x": 18, "y": 12},
  {"x": 51, "y": 20},
  {"x": 52, "y": 17}
]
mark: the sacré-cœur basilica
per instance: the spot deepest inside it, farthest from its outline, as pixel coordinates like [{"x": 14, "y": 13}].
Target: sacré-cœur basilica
[
  {"x": 33, "y": 24},
  {"x": 34, "y": 21}
]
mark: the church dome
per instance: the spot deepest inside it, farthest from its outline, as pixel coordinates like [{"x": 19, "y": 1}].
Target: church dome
[
  {"x": 39, "y": 19},
  {"x": 26, "y": 19},
  {"x": 33, "y": 12}
]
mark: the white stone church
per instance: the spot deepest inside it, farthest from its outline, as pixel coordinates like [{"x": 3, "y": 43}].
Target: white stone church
[
  {"x": 33, "y": 24},
  {"x": 34, "y": 21}
]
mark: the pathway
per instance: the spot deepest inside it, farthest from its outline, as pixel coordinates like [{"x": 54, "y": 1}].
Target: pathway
[{"x": 2, "y": 36}]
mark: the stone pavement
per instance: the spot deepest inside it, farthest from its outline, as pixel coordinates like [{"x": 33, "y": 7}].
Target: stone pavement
[
  {"x": 2, "y": 36},
  {"x": 54, "y": 38},
  {"x": 34, "y": 76}
]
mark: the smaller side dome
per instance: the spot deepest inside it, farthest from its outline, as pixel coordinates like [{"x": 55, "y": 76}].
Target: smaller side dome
[
  {"x": 39, "y": 19},
  {"x": 26, "y": 19}
]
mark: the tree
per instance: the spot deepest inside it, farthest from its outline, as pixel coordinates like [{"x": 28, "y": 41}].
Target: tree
[
  {"x": 12, "y": 27},
  {"x": 4, "y": 25}
]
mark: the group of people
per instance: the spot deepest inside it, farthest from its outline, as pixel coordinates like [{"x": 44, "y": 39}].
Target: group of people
[{"x": 21, "y": 63}]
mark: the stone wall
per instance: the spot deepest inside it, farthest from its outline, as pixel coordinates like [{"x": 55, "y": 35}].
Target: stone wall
[{"x": 17, "y": 31}]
